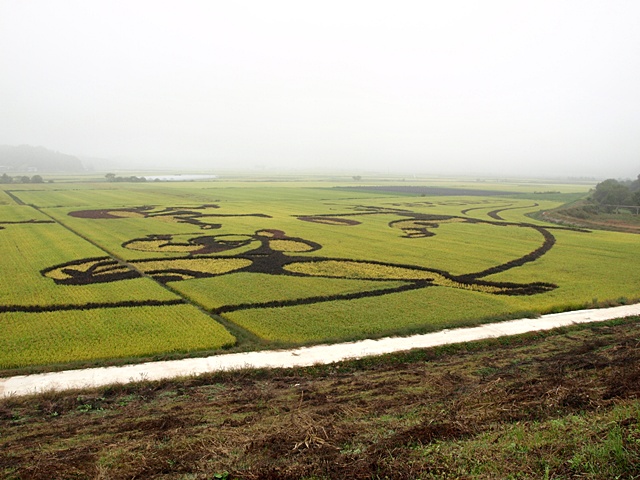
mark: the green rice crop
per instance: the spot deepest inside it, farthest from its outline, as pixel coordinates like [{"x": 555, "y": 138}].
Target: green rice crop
[
  {"x": 242, "y": 288},
  {"x": 77, "y": 336},
  {"x": 5, "y": 199},
  {"x": 423, "y": 310},
  {"x": 110, "y": 234},
  {"x": 28, "y": 248},
  {"x": 587, "y": 267},
  {"x": 100, "y": 196},
  {"x": 20, "y": 213},
  {"x": 388, "y": 240}
]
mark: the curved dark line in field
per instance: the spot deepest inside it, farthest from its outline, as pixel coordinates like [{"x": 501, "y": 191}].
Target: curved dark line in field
[
  {"x": 515, "y": 288},
  {"x": 278, "y": 264},
  {"x": 512, "y": 289},
  {"x": 435, "y": 217},
  {"x": 321, "y": 299},
  {"x": 175, "y": 275},
  {"x": 86, "y": 277},
  {"x": 549, "y": 242},
  {"x": 265, "y": 260},
  {"x": 505, "y": 223},
  {"x": 262, "y": 260},
  {"x": 337, "y": 221},
  {"x": 80, "y": 262},
  {"x": 350, "y": 214},
  {"x": 569, "y": 229},
  {"x": 89, "y": 306},
  {"x": 464, "y": 212},
  {"x": 518, "y": 289},
  {"x": 494, "y": 214},
  {"x": 225, "y": 215}
]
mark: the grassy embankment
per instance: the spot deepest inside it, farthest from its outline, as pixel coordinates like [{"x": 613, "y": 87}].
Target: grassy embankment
[{"x": 582, "y": 213}]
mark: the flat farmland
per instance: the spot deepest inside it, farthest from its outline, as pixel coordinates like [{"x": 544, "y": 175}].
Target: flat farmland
[{"x": 95, "y": 272}]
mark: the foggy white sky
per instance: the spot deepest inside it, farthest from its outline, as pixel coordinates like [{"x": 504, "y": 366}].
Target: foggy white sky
[{"x": 541, "y": 86}]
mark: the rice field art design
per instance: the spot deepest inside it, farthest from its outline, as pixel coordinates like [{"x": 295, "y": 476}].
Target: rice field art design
[
  {"x": 274, "y": 252},
  {"x": 199, "y": 216}
]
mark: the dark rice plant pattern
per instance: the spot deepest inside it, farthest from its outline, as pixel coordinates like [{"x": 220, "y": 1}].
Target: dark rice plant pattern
[{"x": 276, "y": 253}]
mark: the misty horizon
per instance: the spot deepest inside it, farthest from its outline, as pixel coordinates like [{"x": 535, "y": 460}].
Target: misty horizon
[{"x": 528, "y": 88}]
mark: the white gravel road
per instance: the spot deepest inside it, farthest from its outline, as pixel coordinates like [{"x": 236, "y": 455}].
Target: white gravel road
[{"x": 93, "y": 377}]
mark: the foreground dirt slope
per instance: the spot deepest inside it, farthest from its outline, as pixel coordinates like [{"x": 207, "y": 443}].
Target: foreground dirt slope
[{"x": 561, "y": 404}]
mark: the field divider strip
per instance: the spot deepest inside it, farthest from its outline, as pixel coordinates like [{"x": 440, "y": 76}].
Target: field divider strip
[
  {"x": 299, "y": 357},
  {"x": 89, "y": 306},
  {"x": 242, "y": 335},
  {"x": 17, "y": 200}
]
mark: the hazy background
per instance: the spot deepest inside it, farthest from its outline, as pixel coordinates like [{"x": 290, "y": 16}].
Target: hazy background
[{"x": 512, "y": 87}]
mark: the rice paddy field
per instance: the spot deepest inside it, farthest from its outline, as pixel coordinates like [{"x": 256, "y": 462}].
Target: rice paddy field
[{"x": 103, "y": 272}]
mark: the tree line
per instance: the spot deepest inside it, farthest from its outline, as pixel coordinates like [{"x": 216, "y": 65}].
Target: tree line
[
  {"x": 111, "y": 177},
  {"x": 617, "y": 192},
  {"x": 4, "y": 178}
]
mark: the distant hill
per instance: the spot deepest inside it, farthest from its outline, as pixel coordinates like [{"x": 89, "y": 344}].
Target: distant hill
[{"x": 25, "y": 158}]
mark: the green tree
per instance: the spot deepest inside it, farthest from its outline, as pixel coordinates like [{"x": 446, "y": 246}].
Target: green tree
[
  {"x": 37, "y": 179},
  {"x": 4, "y": 178},
  {"x": 612, "y": 192},
  {"x": 634, "y": 187}
]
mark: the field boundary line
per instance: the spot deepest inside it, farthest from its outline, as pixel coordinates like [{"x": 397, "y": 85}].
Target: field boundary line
[{"x": 298, "y": 357}]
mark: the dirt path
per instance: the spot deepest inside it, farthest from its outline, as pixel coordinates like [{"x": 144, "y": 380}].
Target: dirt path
[{"x": 94, "y": 377}]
